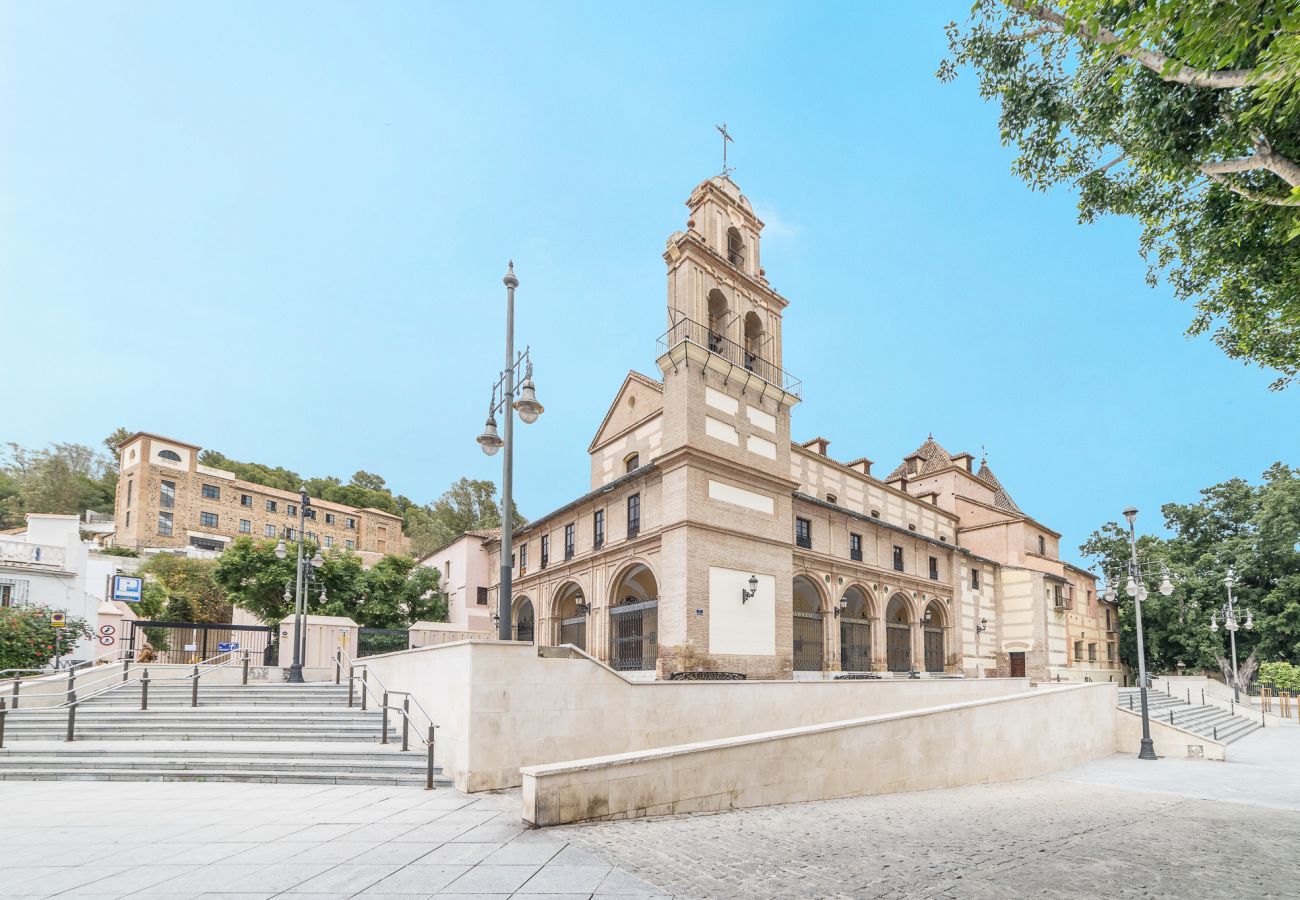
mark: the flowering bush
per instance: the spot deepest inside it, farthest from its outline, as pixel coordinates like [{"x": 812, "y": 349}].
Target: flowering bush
[{"x": 27, "y": 641}]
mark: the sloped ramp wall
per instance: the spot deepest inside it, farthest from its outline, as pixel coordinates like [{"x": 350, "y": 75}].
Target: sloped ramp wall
[{"x": 998, "y": 739}]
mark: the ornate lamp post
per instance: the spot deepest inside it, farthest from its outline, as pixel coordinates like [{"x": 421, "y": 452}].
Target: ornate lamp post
[
  {"x": 1135, "y": 589},
  {"x": 529, "y": 409},
  {"x": 299, "y": 606},
  {"x": 1230, "y": 626}
]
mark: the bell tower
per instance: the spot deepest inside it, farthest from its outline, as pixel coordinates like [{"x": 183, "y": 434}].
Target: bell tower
[{"x": 727, "y": 483}]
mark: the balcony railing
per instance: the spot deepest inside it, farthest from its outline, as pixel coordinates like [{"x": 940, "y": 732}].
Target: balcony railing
[
  {"x": 23, "y": 553},
  {"x": 855, "y": 555},
  {"x": 688, "y": 331}
]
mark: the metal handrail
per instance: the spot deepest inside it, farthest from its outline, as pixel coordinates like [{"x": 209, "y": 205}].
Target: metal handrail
[
  {"x": 80, "y": 664},
  {"x": 382, "y": 695},
  {"x": 196, "y": 674}
]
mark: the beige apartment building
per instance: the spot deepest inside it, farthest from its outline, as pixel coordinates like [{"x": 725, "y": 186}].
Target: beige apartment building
[
  {"x": 710, "y": 540},
  {"x": 167, "y": 499}
]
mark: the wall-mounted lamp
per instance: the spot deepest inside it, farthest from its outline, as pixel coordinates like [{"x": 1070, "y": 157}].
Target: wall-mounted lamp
[
  {"x": 843, "y": 605},
  {"x": 982, "y": 627},
  {"x": 753, "y": 589},
  {"x": 581, "y": 605}
]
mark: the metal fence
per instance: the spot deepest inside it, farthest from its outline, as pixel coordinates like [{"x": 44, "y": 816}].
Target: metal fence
[
  {"x": 855, "y": 645},
  {"x": 633, "y": 635},
  {"x": 574, "y": 631},
  {"x": 187, "y": 643},
  {"x": 807, "y": 642},
  {"x": 688, "y": 331},
  {"x": 934, "y": 649},
  {"x": 373, "y": 641},
  {"x": 898, "y": 647},
  {"x": 524, "y": 630}
]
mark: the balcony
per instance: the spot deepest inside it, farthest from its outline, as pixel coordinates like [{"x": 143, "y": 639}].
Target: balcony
[
  {"x": 855, "y": 555},
  {"x": 42, "y": 556},
  {"x": 686, "y": 331}
]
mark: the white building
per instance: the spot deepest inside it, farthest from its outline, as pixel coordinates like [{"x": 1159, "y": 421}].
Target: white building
[
  {"x": 48, "y": 564},
  {"x": 464, "y": 572}
]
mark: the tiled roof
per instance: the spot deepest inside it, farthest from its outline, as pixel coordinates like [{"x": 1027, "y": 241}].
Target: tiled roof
[
  {"x": 933, "y": 459},
  {"x": 1001, "y": 499}
]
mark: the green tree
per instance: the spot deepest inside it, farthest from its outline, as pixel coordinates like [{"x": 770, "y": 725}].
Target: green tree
[
  {"x": 64, "y": 478},
  {"x": 191, "y": 587},
  {"x": 1253, "y": 529},
  {"x": 468, "y": 505},
  {"x": 1184, "y": 115},
  {"x": 28, "y": 641}
]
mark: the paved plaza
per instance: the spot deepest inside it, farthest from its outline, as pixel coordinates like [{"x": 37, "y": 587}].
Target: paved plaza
[{"x": 1115, "y": 827}]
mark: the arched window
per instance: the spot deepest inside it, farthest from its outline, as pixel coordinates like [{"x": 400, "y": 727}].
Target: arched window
[
  {"x": 169, "y": 454},
  {"x": 735, "y": 248},
  {"x": 753, "y": 339},
  {"x": 632, "y": 463},
  {"x": 717, "y": 319}
]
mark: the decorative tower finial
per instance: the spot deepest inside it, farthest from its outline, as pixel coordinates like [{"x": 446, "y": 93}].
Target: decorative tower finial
[
  {"x": 510, "y": 280},
  {"x": 984, "y": 455},
  {"x": 726, "y": 139}
]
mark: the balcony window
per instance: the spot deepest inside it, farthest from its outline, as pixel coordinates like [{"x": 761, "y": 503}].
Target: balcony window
[
  {"x": 934, "y": 568},
  {"x": 167, "y": 494},
  {"x": 546, "y": 550},
  {"x": 523, "y": 559},
  {"x": 855, "y": 547},
  {"x": 598, "y": 529},
  {"x": 898, "y": 559},
  {"x": 568, "y": 541},
  {"x": 633, "y": 515},
  {"x": 974, "y": 579},
  {"x": 208, "y": 519},
  {"x": 211, "y": 492},
  {"x": 803, "y": 533},
  {"x": 165, "y": 524}
]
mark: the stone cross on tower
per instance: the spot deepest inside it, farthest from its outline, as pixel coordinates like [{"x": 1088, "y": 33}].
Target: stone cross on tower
[{"x": 726, "y": 139}]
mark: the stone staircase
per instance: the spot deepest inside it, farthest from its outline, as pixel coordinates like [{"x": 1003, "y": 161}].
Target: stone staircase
[
  {"x": 1207, "y": 721},
  {"x": 264, "y": 732}
]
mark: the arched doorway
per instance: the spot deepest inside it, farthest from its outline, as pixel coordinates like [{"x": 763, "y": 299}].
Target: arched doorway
[
  {"x": 525, "y": 619},
  {"x": 855, "y": 631},
  {"x": 634, "y": 620},
  {"x": 719, "y": 312},
  {"x": 898, "y": 634},
  {"x": 753, "y": 339},
  {"x": 932, "y": 624},
  {"x": 807, "y": 625},
  {"x": 571, "y": 613}
]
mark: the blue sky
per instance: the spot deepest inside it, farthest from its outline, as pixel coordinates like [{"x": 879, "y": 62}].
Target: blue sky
[{"x": 279, "y": 230}]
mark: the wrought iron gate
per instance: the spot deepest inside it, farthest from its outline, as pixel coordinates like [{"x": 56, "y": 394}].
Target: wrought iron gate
[
  {"x": 633, "y": 635},
  {"x": 934, "y": 649},
  {"x": 373, "y": 641},
  {"x": 574, "y": 631},
  {"x": 898, "y": 647},
  {"x": 524, "y": 629},
  {"x": 807, "y": 642},
  {"x": 186, "y": 643},
  {"x": 855, "y": 645}
]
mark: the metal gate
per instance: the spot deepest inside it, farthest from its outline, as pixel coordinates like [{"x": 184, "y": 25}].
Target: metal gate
[
  {"x": 524, "y": 629},
  {"x": 186, "y": 643},
  {"x": 807, "y": 642},
  {"x": 574, "y": 631},
  {"x": 934, "y": 649},
  {"x": 898, "y": 647},
  {"x": 855, "y": 645},
  {"x": 633, "y": 635},
  {"x": 373, "y": 641}
]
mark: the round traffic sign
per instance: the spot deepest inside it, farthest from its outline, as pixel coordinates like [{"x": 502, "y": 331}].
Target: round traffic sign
[
  {"x": 107, "y": 630},
  {"x": 107, "y": 640}
]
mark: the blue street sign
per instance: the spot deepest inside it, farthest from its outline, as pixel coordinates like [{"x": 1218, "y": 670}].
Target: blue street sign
[
  {"x": 127, "y": 588},
  {"x": 227, "y": 647}
]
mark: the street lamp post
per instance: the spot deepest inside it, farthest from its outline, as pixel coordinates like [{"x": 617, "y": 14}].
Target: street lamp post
[
  {"x": 299, "y": 606},
  {"x": 1230, "y": 626},
  {"x": 1135, "y": 589},
  {"x": 529, "y": 409}
]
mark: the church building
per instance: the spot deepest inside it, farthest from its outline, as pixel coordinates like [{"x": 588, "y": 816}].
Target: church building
[{"x": 711, "y": 541}]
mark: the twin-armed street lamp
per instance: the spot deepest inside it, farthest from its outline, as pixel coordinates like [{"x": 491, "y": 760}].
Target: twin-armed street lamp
[
  {"x": 505, "y": 402},
  {"x": 300, "y": 598},
  {"x": 1230, "y": 626}
]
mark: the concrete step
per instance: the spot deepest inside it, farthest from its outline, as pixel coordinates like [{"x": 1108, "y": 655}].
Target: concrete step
[
  {"x": 217, "y": 774},
  {"x": 410, "y": 762}
]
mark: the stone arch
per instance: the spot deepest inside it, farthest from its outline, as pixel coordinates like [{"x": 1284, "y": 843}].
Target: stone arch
[
  {"x": 900, "y": 618},
  {"x": 634, "y": 617},
  {"x": 568, "y": 613},
  {"x": 934, "y": 629},
  {"x": 856, "y": 605},
  {"x": 753, "y": 335},
  {"x": 736, "y": 247},
  {"x": 717, "y": 318},
  {"x": 523, "y": 618},
  {"x": 809, "y": 607}
]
